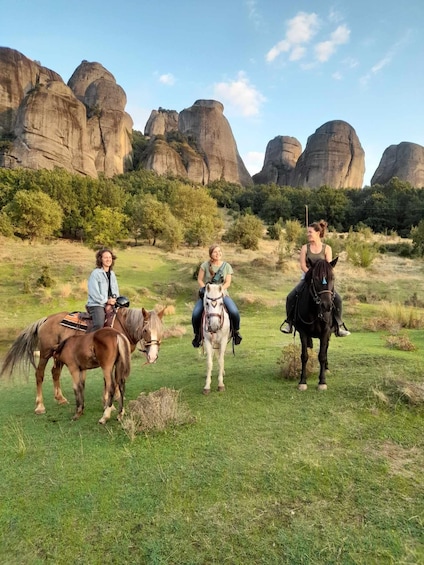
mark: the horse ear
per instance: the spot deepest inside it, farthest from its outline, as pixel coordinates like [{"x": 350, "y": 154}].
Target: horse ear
[
  {"x": 145, "y": 313},
  {"x": 161, "y": 313},
  {"x": 333, "y": 263}
]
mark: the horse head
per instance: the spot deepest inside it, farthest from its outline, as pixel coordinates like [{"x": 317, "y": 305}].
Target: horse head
[
  {"x": 213, "y": 304},
  {"x": 151, "y": 334},
  {"x": 320, "y": 281}
]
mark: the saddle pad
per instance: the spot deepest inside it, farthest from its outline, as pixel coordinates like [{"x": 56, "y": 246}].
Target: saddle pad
[{"x": 74, "y": 321}]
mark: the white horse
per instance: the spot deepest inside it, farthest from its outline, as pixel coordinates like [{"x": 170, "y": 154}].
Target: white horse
[{"x": 216, "y": 332}]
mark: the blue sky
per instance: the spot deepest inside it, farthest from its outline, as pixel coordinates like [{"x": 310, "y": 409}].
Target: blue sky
[{"x": 279, "y": 67}]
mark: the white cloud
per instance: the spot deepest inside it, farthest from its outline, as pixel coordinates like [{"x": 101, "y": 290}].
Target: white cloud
[
  {"x": 240, "y": 95},
  {"x": 167, "y": 79},
  {"x": 300, "y": 30},
  {"x": 386, "y": 60},
  {"x": 325, "y": 49},
  {"x": 253, "y": 13}
]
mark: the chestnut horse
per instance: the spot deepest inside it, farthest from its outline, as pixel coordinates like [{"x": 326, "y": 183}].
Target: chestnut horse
[
  {"x": 216, "y": 333},
  {"x": 47, "y": 333},
  {"x": 105, "y": 348}
]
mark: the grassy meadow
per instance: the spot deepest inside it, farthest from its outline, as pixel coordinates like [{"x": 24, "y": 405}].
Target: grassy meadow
[{"x": 263, "y": 474}]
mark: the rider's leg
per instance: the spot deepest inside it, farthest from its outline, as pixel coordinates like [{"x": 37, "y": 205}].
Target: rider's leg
[
  {"x": 196, "y": 320},
  {"x": 97, "y": 314},
  {"x": 287, "y": 326},
  {"x": 341, "y": 330},
  {"x": 235, "y": 318}
]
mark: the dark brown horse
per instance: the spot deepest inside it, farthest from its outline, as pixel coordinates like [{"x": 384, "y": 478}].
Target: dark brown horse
[
  {"x": 314, "y": 316},
  {"x": 45, "y": 335},
  {"x": 105, "y": 348}
]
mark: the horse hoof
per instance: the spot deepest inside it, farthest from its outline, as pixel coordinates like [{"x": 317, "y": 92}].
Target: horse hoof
[
  {"x": 102, "y": 421},
  {"x": 322, "y": 387},
  {"x": 62, "y": 401},
  {"x": 206, "y": 391},
  {"x": 40, "y": 410},
  {"x": 302, "y": 387},
  {"x": 221, "y": 388}
]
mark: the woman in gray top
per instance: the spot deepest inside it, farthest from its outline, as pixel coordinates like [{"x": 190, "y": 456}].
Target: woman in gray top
[
  {"x": 219, "y": 272},
  {"x": 102, "y": 287}
]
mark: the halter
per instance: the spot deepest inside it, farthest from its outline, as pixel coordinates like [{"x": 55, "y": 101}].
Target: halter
[{"x": 147, "y": 344}]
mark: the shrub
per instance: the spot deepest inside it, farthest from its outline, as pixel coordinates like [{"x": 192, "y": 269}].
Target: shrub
[
  {"x": 361, "y": 253},
  {"x": 246, "y": 230}
]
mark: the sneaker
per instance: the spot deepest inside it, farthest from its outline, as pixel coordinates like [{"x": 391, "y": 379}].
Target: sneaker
[
  {"x": 286, "y": 328},
  {"x": 343, "y": 333},
  {"x": 237, "y": 338},
  {"x": 197, "y": 342}
]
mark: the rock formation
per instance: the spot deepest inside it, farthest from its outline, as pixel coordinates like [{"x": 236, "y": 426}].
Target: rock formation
[
  {"x": 281, "y": 156},
  {"x": 404, "y": 161},
  {"x": 202, "y": 148},
  {"x": 333, "y": 156},
  {"x": 45, "y": 124}
]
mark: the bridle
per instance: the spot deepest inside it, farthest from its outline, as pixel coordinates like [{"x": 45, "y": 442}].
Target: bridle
[
  {"x": 316, "y": 295},
  {"x": 147, "y": 344},
  {"x": 209, "y": 315}
]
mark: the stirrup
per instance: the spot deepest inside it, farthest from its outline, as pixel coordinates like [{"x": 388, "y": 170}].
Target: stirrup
[{"x": 286, "y": 328}]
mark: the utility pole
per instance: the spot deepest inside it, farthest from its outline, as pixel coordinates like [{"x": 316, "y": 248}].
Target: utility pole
[{"x": 306, "y": 216}]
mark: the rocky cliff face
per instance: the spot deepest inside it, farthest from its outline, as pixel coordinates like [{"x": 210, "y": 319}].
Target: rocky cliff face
[
  {"x": 81, "y": 127},
  {"x": 404, "y": 161},
  {"x": 333, "y": 157},
  {"x": 211, "y": 153},
  {"x": 281, "y": 156}
]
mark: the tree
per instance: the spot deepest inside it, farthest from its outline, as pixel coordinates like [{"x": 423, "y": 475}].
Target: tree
[
  {"x": 246, "y": 230},
  {"x": 417, "y": 235},
  {"x": 34, "y": 214},
  {"x": 148, "y": 217},
  {"x": 106, "y": 227}
]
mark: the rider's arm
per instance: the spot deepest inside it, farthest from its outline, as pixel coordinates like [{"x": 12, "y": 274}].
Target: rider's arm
[
  {"x": 201, "y": 278},
  {"x": 302, "y": 259},
  {"x": 227, "y": 282},
  {"x": 328, "y": 253}
]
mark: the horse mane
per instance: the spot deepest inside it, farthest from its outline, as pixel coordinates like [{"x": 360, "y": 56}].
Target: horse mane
[
  {"x": 134, "y": 321},
  {"x": 321, "y": 269}
]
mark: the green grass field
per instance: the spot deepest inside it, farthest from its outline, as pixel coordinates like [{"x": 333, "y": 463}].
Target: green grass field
[{"x": 264, "y": 475}]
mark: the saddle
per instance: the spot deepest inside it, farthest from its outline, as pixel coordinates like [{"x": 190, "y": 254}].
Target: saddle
[{"x": 82, "y": 320}]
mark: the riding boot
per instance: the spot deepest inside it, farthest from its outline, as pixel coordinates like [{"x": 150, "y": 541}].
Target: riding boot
[
  {"x": 341, "y": 330},
  {"x": 197, "y": 341},
  {"x": 286, "y": 327},
  {"x": 237, "y": 337}
]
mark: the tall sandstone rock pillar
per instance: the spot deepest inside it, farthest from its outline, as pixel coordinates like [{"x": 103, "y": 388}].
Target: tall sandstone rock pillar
[{"x": 333, "y": 157}]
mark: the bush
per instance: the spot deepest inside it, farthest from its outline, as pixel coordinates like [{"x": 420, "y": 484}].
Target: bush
[{"x": 246, "y": 231}]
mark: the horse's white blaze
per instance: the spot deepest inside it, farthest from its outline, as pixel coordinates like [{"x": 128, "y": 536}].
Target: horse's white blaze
[
  {"x": 152, "y": 350},
  {"x": 216, "y": 332}
]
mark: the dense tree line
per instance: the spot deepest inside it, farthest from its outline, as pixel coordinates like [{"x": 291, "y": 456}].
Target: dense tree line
[{"x": 142, "y": 205}]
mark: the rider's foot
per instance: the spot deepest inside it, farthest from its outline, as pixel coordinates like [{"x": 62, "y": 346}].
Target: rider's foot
[
  {"x": 343, "y": 332},
  {"x": 237, "y": 338},
  {"x": 197, "y": 341},
  {"x": 287, "y": 328}
]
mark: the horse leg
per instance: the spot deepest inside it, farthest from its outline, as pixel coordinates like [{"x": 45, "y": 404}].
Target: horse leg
[
  {"x": 56, "y": 372},
  {"x": 39, "y": 378},
  {"x": 322, "y": 356},
  {"x": 78, "y": 384},
  {"x": 221, "y": 373},
  {"x": 209, "y": 366},
  {"x": 304, "y": 358},
  {"x": 108, "y": 394}
]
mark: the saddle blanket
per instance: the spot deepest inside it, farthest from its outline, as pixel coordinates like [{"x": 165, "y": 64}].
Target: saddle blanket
[{"x": 75, "y": 321}]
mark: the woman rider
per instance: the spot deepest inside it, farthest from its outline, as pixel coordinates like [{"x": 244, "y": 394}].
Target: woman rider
[
  {"x": 219, "y": 272},
  {"x": 102, "y": 287},
  {"x": 311, "y": 252}
]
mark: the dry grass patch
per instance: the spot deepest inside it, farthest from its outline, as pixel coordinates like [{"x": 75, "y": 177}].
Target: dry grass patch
[
  {"x": 393, "y": 391},
  {"x": 290, "y": 363},
  {"x": 174, "y": 331},
  {"x": 396, "y": 316},
  {"x": 399, "y": 341},
  {"x": 155, "y": 412}
]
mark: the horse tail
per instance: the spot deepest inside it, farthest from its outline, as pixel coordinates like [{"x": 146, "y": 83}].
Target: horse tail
[
  {"x": 22, "y": 350},
  {"x": 123, "y": 362}
]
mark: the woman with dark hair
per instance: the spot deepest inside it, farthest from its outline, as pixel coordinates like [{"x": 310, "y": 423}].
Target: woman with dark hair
[
  {"x": 311, "y": 252},
  {"x": 102, "y": 287},
  {"x": 215, "y": 271}
]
